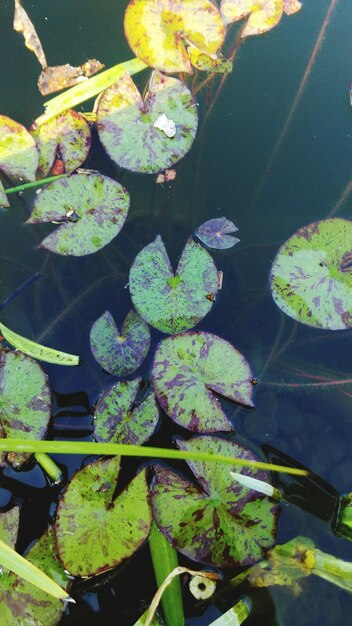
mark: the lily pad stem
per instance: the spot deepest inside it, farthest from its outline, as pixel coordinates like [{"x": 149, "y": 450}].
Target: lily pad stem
[
  {"x": 33, "y": 184},
  {"x": 49, "y": 466}
]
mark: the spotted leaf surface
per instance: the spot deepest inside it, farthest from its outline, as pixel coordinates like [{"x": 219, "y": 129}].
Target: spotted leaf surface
[
  {"x": 130, "y": 129},
  {"x": 95, "y": 532},
  {"x": 263, "y": 15},
  {"x": 217, "y": 521},
  {"x": 22, "y": 603},
  {"x": 205, "y": 63},
  {"x": 173, "y": 302},
  {"x": 120, "y": 418},
  {"x": 189, "y": 369},
  {"x": 157, "y": 31},
  {"x": 216, "y": 233},
  {"x": 18, "y": 154},
  {"x": 311, "y": 276},
  {"x": 70, "y": 134},
  {"x": 90, "y": 208},
  {"x": 120, "y": 354},
  {"x": 9, "y": 523},
  {"x": 24, "y": 400}
]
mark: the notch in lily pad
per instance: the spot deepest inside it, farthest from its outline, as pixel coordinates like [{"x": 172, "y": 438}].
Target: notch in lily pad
[
  {"x": 262, "y": 15},
  {"x": 311, "y": 276},
  {"x": 121, "y": 416},
  {"x": 68, "y": 133},
  {"x": 216, "y": 233},
  {"x": 18, "y": 153},
  {"x": 147, "y": 134},
  {"x": 158, "y": 31},
  {"x": 173, "y": 302},
  {"x": 89, "y": 208},
  {"x": 120, "y": 353},
  {"x": 96, "y": 531},
  {"x": 190, "y": 372},
  {"x": 216, "y": 521}
]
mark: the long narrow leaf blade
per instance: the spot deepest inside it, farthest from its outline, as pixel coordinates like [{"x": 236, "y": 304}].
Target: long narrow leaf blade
[
  {"x": 36, "y": 350},
  {"x": 164, "y": 558},
  {"x": 13, "y": 561}
]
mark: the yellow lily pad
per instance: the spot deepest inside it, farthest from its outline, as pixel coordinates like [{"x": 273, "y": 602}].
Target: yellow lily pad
[
  {"x": 157, "y": 31},
  {"x": 263, "y": 15}
]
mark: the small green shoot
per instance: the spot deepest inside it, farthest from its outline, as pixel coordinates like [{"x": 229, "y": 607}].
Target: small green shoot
[{"x": 36, "y": 350}]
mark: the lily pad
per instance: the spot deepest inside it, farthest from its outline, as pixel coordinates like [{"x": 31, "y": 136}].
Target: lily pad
[
  {"x": 130, "y": 127},
  {"x": 292, "y": 6},
  {"x": 311, "y": 276},
  {"x": 157, "y": 31},
  {"x": 263, "y": 15},
  {"x": 95, "y": 531},
  {"x": 20, "y": 601},
  {"x": 70, "y": 134},
  {"x": 173, "y": 302},
  {"x": 120, "y": 354},
  {"x": 18, "y": 154},
  {"x": 215, "y": 233},
  {"x": 189, "y": 369},
  {"x": 205, "y": 63},
  {"x": 218, "y": 521},
  {"x": 119, "y": 418},
  {"x": 24, "y": 400},
  {"x": 91, "y": 209}
]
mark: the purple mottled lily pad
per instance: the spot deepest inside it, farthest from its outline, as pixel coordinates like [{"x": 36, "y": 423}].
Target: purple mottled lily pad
[
  {"x": 189, "y": 369},
  {"x": 173, "y": 302},
  {"x": 69, "y": 133},
  {"x": 24, "y": 400},
  {"x": 217, "y": 521},
  {"x": 20, "y": 601},
  {"x": 18, "y": 154},
  {"x": 311, "y": 276},
  {"x": 151, "y": 134},
  {"x": 90, "y": 208},
  {"x": 215, "y": 233},
  {"x": 9, "y": 524},
  {"x": 119, "y": 418},
  {"x": 95, "y": 530},
  {"x": 120, "y": 354}
]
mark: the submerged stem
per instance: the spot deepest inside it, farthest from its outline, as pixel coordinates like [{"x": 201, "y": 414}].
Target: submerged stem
[{"x": 49, "y": 466}]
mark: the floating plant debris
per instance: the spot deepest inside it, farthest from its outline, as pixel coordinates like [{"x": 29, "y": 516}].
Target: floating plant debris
[
  {"x": 173, "y": 302},
  {"x": 70, "y": 134},
  {"x": 217, "y": 521},
  {"x": 95, "y": 530},
  {"x": 216, "y": 233},
  {"x": 133, "y": 129},
  {"x": 22, "y": 24},
  {"x": 91, "y": 209},
  {"x": 157, "y": 31},
  {"x": 120, "y": 418},
  {"x": 60, "y": 77},
  {"x": 18, "y": 154},
  {"x": 311, "y": 276},
  {"x": 120, "y": 354},
  {"x": 190, "y": 369}
]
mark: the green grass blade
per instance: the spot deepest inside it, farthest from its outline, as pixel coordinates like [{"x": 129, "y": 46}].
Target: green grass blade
[
  {"x": 119, "y": 449},
  {"x": 164, "y": 558},
  {"x": 88, "y": 89},
  {"x": 35, "y": 183},
  {"x": 13, "y": 561},
  {"x": 36, "y": 350},
  {"x": 236, "y": 615}
]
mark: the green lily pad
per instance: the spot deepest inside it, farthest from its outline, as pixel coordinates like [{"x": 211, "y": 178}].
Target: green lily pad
[
  {"x": 216, "y": 233},
  {"x": 205, "y": 63},
  {"x": 24, "y": 400},
  {"x": 173, "y": 302},
  {"x": 18, "y": 154},
  {"x": 189, "y": 369},
  {"x": 311, "y": 276},
  {"x": 157, "y": 31},
  {"x": 70, "y": 134},
  {"x": 147, "y": 134},
  {"x": 91, "y": 209},
  {"x": 22, "y": 603},
  {"x": 119, "y": 418},
  {"x": 120, "y": 354},
  {"x": 263, "y": 15},
  {"x": 218, "y": 521},
  {"x": 95, "y": 531}
]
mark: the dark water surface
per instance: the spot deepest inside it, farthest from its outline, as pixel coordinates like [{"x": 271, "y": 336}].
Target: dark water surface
[{"x": 224, "y": 174}]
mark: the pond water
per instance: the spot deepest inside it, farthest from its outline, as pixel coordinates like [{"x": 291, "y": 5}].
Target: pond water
[{"x": 274, "y": 155}]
